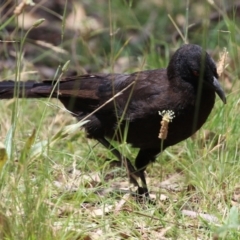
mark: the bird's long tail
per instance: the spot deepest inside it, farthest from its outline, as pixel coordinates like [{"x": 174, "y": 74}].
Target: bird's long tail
[{"x": 10, "y": 89}]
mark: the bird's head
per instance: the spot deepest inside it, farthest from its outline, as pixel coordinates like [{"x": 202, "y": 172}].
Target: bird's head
[{"x": 194, "y": 65}]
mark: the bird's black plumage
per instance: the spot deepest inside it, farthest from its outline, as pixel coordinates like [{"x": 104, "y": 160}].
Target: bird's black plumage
[{"x": 187, "y": 87}]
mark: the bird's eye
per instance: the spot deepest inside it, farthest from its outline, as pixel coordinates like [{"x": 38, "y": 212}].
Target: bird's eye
[{"x": 195, "y": 73}]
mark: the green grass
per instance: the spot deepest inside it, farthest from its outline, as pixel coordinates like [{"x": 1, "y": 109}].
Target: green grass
[{"x": 69, "y": 191}]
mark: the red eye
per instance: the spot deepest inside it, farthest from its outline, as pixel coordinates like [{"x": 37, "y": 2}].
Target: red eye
[{"x": 196, "y": 73}]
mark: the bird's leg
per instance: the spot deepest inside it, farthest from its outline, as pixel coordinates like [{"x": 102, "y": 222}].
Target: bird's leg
[
  {"x": 132, "y": 173},
  {"x": 144, "y": 157}
]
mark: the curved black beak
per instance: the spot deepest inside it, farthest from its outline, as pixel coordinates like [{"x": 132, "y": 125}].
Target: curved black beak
[{"x": 218, "y": 89}]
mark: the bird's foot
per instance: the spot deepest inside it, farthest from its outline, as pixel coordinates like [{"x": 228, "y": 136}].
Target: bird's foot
[{"x": 142, "y": 196}]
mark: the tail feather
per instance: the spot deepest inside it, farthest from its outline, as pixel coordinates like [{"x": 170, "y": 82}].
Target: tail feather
[{"x": 10, "y": 89}]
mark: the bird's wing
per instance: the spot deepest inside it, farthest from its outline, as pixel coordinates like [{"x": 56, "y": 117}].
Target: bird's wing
[{"x": 131, "y": 96}]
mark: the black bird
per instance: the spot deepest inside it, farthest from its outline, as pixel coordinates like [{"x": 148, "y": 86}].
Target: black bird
[{"x": 130, "y": 103}]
